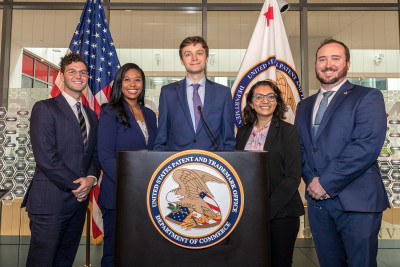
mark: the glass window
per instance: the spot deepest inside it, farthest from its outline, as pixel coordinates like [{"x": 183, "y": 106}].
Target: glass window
[
  {"x": 43, "y": 30},
  {"x": 27, "y": 82},
  {"x": 27, "y": 65},
  {"x": 53, "y": 75},
  {"x": 372, "y": 37},
  {"x": 39, "y": 84},
  {"x": 352, "y": 1},
  {"x": 50, "y": 1},
  {"x": 1, "y": 24},
  {"x": 151, "y": 39},
  {"x": 41, "y": 71},
  {"x": 245, "y": 1},
  {"x": 229, "y": 34},
  {"x": 156, "y": 1}
]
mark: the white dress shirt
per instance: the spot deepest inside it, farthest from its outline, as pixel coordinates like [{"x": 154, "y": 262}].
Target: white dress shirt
[
  {"x": 72, "y": 103},
  {"x": 320, "y": 96}
]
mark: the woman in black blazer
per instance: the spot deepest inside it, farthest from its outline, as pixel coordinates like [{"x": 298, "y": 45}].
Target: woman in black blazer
[{"x": 266, "y": 130}]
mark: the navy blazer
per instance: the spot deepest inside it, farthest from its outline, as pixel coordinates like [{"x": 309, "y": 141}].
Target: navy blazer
[
  {"x": 113, "y": 137},
  {"x": 60, "y": 156},
  {"x": 284, "y": 162},
  {"x": 175, "y": 126},
  {"x": 344, "y": 152}
]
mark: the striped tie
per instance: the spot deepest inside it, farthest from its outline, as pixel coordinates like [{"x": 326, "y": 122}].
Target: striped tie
[{"x": 82, "y": 123}]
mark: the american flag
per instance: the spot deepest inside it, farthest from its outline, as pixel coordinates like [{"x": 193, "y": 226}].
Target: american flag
[
  {"x": 92, "y": 40},
  {"x": 181, "y": 216}
]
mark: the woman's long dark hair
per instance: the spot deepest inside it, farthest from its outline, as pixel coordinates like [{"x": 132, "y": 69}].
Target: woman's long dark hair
[
  {"x": 250, "y": 115},
  {"x": 117, "y": 98}
]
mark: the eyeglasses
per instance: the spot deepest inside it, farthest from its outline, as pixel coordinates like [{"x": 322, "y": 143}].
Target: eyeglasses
[
  {"x": 74, "y": 72},
  {"x": 260, "y": 97}
]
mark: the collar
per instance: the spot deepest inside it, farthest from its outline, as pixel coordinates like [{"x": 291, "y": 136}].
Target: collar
[
  {"x": 334, "y": 89},
  {"x": 202, "y": 82},
  {"x": 71, "y": 101}
]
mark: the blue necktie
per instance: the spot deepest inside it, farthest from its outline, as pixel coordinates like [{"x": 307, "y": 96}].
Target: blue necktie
[{"x": 321, "y": 110}]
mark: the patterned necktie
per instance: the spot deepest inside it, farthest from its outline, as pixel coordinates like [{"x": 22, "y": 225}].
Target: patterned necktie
[
  {"x": 196, "y": 103},
  {"x": 82, "y": 123},
  {"x": 321, "y": 110}
]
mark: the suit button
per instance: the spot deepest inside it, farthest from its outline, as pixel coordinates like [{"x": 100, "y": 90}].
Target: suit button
[
  {"x": 315, "y": 150},
  {"x": 194, "y": 140},
  {"x": 81, "y": 172},
  {"x": 315, "y": 169}
]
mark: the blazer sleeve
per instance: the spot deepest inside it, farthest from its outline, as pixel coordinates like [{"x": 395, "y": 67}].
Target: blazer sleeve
[
  {"x": 44, "y": 145},
  {"x": 286, "y": 189},
  {"x": 299, "y": 122},
  {"x": 94, "y": 167},
  {"x": 152, "y": 127},
  {"x": 364, "y": 147},
  {"x": 107, "y": 142},
  {"x": 242, "y": 136},
  {"x": 228, "y": 124},
  {"x": 163, "y": 128}
]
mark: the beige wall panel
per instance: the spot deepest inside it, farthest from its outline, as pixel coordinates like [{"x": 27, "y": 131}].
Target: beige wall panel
[
  {"x": 44, "y": 28},
  {"x": 153, "y": 29},
  {"x": 14, "y": 220}
]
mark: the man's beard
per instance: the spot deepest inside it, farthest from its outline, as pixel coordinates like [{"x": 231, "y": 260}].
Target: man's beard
[{"x": 332, "y": 80}]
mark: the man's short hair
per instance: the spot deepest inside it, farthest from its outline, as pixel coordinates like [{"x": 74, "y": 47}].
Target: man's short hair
[
  {"x": 333, "y": 41},
  {"x": 69, "y": 59},
  {"x": 193, "y": 40}
]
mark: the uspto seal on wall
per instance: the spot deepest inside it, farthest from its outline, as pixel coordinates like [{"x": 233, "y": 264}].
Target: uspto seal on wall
[{"x": 195, "y": 199}]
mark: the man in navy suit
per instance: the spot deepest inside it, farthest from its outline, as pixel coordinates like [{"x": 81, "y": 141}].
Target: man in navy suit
[
  {"x": 64, "y": 138},
  {"x": 179, "y": 123},
  {"x": 342, "y": 129}
]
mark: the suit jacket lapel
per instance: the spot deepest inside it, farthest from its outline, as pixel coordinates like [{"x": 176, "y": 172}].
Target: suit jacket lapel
[
  {"x": 343, "y": 91},
  {"x": 242, "y": 141},
  {"x": 66, "y": 109},
  {"x": 209, "y": 99},
  {"x": 92, "y": 133},
  {"x": 309, "y": 109},
  {"x": 273, "y": 129},
  {"x": 182, "y": 96}
]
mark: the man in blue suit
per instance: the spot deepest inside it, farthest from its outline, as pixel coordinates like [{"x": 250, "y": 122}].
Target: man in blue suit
[
  {"x": 179, "y": 122},
  {"x": 342, "y": 129},
  {"x": 64, "y": 138}
]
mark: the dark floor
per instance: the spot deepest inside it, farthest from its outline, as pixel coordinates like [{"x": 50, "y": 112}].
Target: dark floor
[{"x": 12, "y": 254}]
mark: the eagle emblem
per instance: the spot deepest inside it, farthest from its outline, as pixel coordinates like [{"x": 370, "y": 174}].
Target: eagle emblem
[
  {"x": 192, "y": 204},
  {"x": 287, "y": 93}
]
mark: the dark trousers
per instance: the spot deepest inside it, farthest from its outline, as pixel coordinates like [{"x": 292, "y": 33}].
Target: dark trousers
[
  {"x": 109, "y": 237},
  {"x": 283, "y": 234},
  {"x": 344, "y": 238},
  {"x": 55, "y": 238}
]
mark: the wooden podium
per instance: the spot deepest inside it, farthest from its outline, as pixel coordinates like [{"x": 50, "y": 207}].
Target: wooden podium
[{"x": 139, "y": 243}]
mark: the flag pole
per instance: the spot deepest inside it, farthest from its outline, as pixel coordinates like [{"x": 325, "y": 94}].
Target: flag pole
[{"x": 88, "y": 219}]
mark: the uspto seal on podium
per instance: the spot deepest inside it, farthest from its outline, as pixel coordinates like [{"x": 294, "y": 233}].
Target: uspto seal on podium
[{"x": 195, "y": 199}]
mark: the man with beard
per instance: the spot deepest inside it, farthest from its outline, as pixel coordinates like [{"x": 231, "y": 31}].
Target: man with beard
[{"x": 342, "y": 129}]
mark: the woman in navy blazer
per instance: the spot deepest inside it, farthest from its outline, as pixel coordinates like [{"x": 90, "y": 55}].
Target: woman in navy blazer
[
  {"x": 266, "y": 130},
  {"x": 125, "y": 124}
]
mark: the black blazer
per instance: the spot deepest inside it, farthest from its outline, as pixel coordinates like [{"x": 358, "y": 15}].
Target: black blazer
[{"x": 282, "y": 143}]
